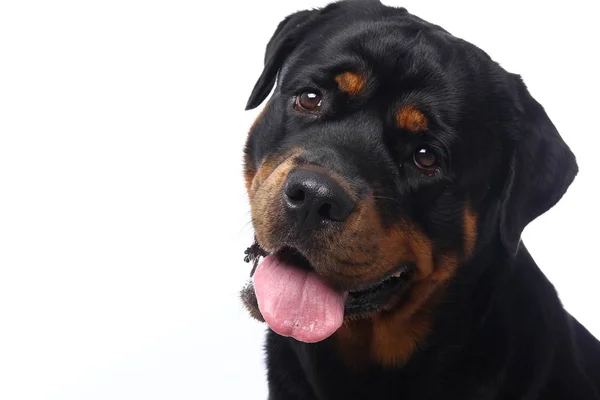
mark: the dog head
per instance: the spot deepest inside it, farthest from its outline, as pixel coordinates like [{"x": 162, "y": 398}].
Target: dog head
[{"x": 389, "y": 154}]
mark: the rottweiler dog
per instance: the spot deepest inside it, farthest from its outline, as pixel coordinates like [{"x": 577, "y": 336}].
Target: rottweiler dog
[{"x": 390, "y": 176}]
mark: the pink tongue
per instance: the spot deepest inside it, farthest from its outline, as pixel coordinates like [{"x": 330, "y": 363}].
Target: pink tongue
[{"x": 296, "y": 302}]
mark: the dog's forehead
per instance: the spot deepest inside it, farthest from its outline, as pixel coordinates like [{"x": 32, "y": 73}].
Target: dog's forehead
[
  {"x": 388, "y": 50},
  {"x": 385, "y": 39}
]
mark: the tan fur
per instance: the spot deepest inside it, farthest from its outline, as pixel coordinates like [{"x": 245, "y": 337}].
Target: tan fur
[
  {"x": 351, "y": 83},
  {"x": 470, "y": 230},
  {"x": 411, "y": 119}
]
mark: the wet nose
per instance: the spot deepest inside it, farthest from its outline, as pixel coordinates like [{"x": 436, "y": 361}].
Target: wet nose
[{"x": 314, "y": 198}]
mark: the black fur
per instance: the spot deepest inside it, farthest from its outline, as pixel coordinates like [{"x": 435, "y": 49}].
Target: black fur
[{"x": 501, "y": 332}]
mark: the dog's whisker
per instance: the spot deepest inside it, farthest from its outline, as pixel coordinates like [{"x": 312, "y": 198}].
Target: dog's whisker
[{"x": 387, "y": 198}]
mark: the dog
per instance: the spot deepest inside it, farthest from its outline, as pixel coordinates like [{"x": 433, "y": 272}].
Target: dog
[{"x": 390, "y": 176}]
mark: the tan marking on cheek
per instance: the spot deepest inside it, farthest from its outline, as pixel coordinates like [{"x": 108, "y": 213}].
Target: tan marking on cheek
[
  {"x": 363, "y": 241},
  {"x": 351, "y": 83},
  {"x": 411, "y": 119},
  {"x": 470, "y": 230},
  {"x": 266, "y": 205}
]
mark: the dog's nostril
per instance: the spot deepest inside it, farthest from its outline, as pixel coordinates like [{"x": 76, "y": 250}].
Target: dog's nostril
[
  {"x": 296, "y": 195},
  {"x": 325, "y": 211},
  {"x": 334, "y": 211}
]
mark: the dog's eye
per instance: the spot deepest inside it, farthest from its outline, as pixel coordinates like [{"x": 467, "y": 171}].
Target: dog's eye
[
  {"x": 425, "y": 159},
  {"x": 308, "y": 101}
]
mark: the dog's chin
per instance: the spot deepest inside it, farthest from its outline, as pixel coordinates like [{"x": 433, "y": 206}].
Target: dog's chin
[{"x": 361, "y": 301}]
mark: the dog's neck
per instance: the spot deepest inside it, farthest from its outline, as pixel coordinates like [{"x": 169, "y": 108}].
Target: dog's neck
[{"x": 494, "y": 298}]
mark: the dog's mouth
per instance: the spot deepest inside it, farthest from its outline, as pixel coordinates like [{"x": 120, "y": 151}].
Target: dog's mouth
[{"x": 295, "y": 301}]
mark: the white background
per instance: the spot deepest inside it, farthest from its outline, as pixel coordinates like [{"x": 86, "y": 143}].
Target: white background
[{"x": 123, "y": 218}]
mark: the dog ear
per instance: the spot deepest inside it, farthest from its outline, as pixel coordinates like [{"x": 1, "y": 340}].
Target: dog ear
[
  {"x": 286, "y": 37},
  {"x": 541, "y": 169}
]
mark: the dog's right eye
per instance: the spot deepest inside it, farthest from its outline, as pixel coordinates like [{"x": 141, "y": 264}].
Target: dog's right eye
[{"x": 308, "y": 102}]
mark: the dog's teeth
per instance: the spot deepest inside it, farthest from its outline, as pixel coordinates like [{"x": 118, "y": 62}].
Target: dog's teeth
[{"x": 397, "y": 274}]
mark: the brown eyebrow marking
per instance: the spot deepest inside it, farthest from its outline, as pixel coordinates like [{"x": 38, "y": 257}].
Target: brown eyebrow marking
[
  {"x": 351, "y": 83},
  {"x": 411, "y": 119}
]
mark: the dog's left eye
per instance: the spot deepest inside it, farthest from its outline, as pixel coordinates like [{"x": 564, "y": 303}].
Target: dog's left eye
[
  {"x": 425, "y": 159},
  {"x": 309, "y": 101}
]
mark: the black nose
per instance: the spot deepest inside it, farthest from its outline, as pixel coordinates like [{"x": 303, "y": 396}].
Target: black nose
[{"x": 313, "y": 197}]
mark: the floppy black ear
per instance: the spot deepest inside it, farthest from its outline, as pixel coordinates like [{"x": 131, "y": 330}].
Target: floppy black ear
[
  {"x": 541, "y": 169},
  {"x": 286, "y": 37}
]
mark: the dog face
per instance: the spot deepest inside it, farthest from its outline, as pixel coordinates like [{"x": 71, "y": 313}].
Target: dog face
[{"x": 389, "y": 154}]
